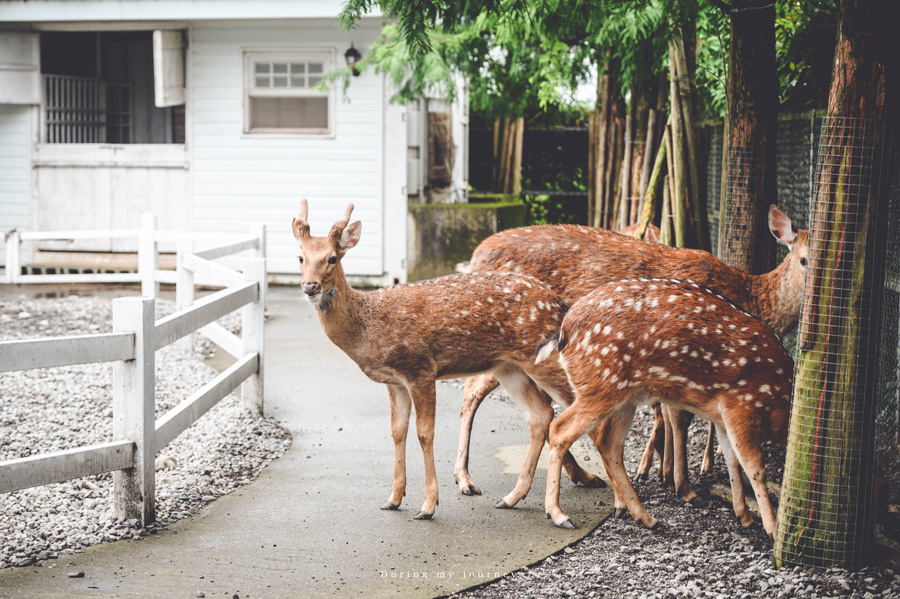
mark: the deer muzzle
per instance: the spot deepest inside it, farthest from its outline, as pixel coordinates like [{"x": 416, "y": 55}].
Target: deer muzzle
[{"x": 313, "y": 291}]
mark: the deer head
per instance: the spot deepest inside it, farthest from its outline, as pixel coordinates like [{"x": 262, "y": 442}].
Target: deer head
[{"x": 320, "y": 257}]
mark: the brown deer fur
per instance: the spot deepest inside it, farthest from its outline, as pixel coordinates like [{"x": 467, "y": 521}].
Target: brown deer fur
[
  {"x": 573, "y": 260},
  {"x": 637, "y": 341},
  {"x": 409, "y": 336}
]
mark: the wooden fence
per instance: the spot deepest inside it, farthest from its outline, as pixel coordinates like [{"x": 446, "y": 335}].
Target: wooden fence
[{"x": 132, "y": 347}]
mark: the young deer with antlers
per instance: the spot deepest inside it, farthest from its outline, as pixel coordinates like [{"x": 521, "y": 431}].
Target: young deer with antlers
[
  {"x": 409, "y": 336},
  {"x": 642, "y": 340},
  {"x": 575, "y": 260}
]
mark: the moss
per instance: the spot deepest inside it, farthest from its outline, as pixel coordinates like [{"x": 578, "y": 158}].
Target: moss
[{"x": 446, "y": 234}]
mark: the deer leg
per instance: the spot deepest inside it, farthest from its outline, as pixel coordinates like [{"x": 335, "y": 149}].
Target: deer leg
[
  {"x": 734, "y": 476},
  {"x": 476, "y": 389},
  {"x": 666, "y": 467},
  {"x": 400, "y": 410},
  {"x": 423, "y": 397},
  {"x": 746, "y": 446},
  {"x": 681, "y": 420},
  {"x": 612, "y": 450},
  {"x": 655, "y": 443},
  {"x": 575, "y": 421},
  {"x": 526, "y": 393},
  {"x": 709, "y": 454}
]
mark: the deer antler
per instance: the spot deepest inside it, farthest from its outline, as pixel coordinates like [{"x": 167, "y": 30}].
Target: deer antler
[
  {"x": 299, "y": 224},
  {"x": 338, "y": 227}
]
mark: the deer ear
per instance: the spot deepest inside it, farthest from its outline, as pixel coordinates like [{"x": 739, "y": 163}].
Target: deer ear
[
  {"x": 350, "y": 236},
  {"x": 299, "y": 227},
  {"x": 781, "y": 227}
]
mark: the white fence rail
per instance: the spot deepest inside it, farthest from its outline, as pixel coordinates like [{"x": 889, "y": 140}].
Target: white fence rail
[{"x": 132, "y": 347}]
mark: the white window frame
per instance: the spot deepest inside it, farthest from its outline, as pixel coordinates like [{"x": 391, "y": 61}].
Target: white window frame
[{"x": 298, "y": 54}]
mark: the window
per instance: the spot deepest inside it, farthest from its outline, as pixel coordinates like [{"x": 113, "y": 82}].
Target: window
[
  {"x": 281, "y": 94},
  {"x": 98, "y": 87}
]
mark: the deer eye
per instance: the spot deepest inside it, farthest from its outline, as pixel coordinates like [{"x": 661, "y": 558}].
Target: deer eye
[
  {"x": 300, "y": 258},
  {"x": 332, "y": 260},
  {"x": 803, "y": 262}
]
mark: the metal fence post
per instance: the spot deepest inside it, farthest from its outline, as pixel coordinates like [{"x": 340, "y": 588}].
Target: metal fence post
[
  {"x": 253, "y": 317},
  {"x": 13, "y": 266},
  {"x": 184, "y": 286},
  {"x": 134, "y": 399},
  {"x": 148, "y": 256}
]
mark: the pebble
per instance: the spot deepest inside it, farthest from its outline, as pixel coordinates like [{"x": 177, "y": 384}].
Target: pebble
[{"x": 71, "y": 406}]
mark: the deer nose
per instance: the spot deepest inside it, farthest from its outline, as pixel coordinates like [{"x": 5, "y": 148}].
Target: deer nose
[{"x": 311, "y": 288}]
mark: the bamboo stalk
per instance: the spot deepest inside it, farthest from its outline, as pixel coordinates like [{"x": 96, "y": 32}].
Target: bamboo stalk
[
  {"x": 495, "y": 168},
  {"x": 650, "y": 199},
  {"x": 665, "y": 224},
  {"x": 625, "y": 197},
  {"x": 679, "y": 175},
  {"x": 686, "y": 97},
  {"x": 602, "y": 143},
  {"x": 517, "y": 159}
]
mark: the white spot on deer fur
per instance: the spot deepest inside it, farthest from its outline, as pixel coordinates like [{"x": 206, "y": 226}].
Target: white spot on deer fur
[
  {"x": 606, "y": 374},
  {"x": 614, "y": 378},
  {"x": 490, "y": 299},
  {"x": 673, "y": 353},
  {"x": 742, "y": 383},
  {"x": 520, "y": 320},
  {"x": 726, "y": 362},
  {"x": 540, "y": 305},
  {"x": 622, "y": 385},
  {"x": 672, "y": 298},
  {"x": 596, "y": 361},
  {"x": 779, "y": 371},
  {"x": 715, "y": 363},
  {"x": 759, "y": 404},
  {"x": 765, "y": 389},
  {"x": 619, "y": 335},
  {"x": 693, "y": 354},
  {"x": 627, "y": 358},
  {"x": 604, "y": 351},
  {"x": 742, "y": 361},
  {"x": 607, "y": 330}
]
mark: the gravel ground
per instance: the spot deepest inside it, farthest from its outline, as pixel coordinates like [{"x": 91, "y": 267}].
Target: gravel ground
[
  {"x": 60, "y": 408},
  {"x": 697, "y": 552}
]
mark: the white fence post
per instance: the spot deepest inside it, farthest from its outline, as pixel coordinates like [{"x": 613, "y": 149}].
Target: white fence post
[
  {"x": 253, "y": 317},
  {"x": 258, "y": 230},
  {"x": 13, "y": 257},
  {"x": 184, "y": 286},
  {"x": 134, "y": 418},
  {"x": 148, "y": 256}
]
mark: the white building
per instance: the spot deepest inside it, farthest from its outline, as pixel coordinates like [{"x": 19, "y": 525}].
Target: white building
[{"x": 204, "y": 112}]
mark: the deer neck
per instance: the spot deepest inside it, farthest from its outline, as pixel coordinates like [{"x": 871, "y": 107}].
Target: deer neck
[
  {"x": 341, "y": 311},
  {"x": 776, "y": 298}
]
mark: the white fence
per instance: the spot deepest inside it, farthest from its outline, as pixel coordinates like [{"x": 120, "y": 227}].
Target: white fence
[{"x": 132, "y": 347}]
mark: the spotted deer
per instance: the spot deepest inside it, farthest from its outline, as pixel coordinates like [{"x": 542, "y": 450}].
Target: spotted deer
[
  {"x": 574, "y": 260},
  {"x": 638, "y": 341},
  {"x": 409, "y": 336}
]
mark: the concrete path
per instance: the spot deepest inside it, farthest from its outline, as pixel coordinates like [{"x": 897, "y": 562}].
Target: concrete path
[{"x": 310, "y": 525}]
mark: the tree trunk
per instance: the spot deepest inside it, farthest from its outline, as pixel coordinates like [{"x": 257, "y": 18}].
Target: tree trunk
[
  {"x": 665, "y": 222},
  {"x": 752, "y": 122},
  {"x": 826, "y": 514},
  {"x": 593, "y": 196}
]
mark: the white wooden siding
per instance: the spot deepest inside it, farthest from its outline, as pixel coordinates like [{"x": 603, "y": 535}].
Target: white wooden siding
[
  {"x": 242, "y": 178},
  {"x": 15, "y": 169}
]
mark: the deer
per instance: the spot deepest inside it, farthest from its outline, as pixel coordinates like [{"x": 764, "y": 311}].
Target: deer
[
  {"x": 409, "y": 336},
  {"x": 574, "y": 260},
  {"x": 637, "y": 341}
]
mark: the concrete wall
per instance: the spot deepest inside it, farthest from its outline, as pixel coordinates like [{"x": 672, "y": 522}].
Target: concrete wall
[{"x": 442, "y": 235}]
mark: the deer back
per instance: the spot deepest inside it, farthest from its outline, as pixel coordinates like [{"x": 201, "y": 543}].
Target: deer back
[
  {"x": 681, "y": 343},
  {"x": 453, "y": 325}
]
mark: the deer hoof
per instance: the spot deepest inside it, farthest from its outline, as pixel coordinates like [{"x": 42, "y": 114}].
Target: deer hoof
[
  {"x": 642, "y": 477},
  {"x": 423, "y": 516},
  {"x": 390, "y": 506},
  {"x": 592, "y": 483},
  {"x": 697, "y": 501},
  {"x": 619, "y": 513},
  {"x": 653, "y": 524},
  {"x": 470, "y": 490},
  {"x": 502, "y": 505},
  {"x": 568, "y": 524}
]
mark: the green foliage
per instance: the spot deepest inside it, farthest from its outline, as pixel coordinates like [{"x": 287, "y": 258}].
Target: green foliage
[{"x": 804, "y": 46}]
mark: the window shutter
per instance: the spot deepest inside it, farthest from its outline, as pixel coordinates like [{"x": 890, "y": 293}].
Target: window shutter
[
  {"x": 168, "y": 68},
  {"x": 20, "y": 68}
]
